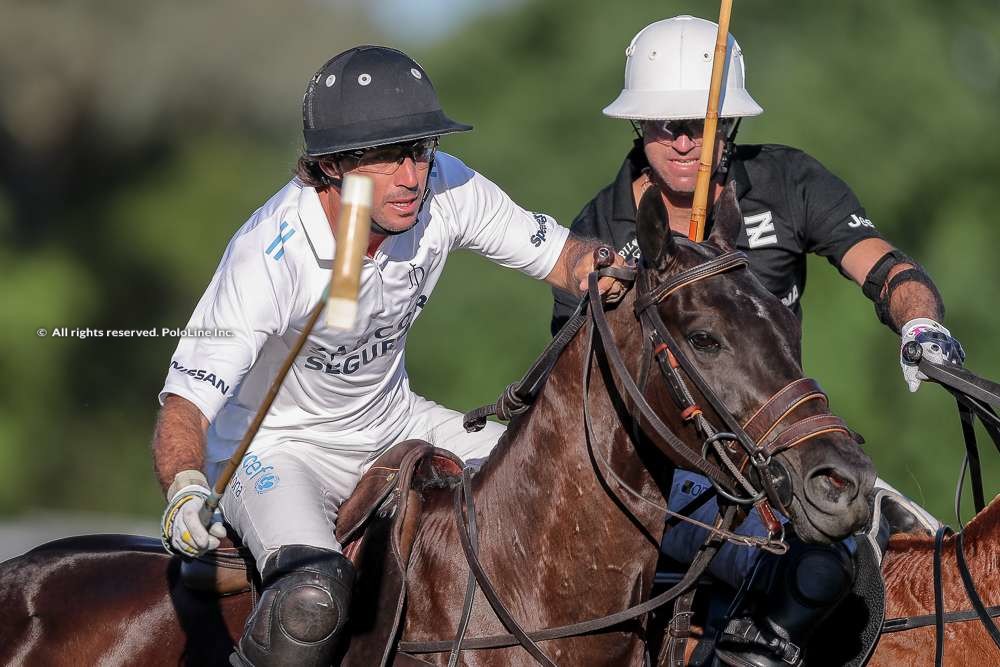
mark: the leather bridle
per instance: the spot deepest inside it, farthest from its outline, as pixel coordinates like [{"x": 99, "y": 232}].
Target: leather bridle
[{"x": 769, "y": 431}]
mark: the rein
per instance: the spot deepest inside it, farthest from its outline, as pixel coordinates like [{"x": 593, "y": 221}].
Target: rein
[
  {"x": 772, "y": 437},
  {"x": 975, "y": 397},
  {"x": 463, "y": 497}
]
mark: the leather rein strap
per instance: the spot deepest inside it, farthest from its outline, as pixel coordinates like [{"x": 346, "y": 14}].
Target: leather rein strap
[
  {"x": 941, "y": 617},
  {"x": 976, "y": 397},
  {"x": 518, "y": 396},
  {"x": 529, "y": 639}
]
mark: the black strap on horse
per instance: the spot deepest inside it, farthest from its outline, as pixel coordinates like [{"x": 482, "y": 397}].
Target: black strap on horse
[
  {"x": 976, "y": 397},
  {"x": 938, "y": 597},
  {"x": 904, "y": 623},
  {"x": 941, "y": 617},
  {"x": 470, "y": 586}
]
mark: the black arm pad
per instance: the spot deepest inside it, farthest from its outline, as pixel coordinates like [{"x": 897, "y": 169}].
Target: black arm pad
[
  {"x": 875, "y": 283},
  {"x": 875, "y": 280}
]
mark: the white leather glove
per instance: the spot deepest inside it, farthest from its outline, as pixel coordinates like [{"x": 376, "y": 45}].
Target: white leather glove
[
  {"x": 937, "y": 345},
  {"x": 182, "y": 530}
]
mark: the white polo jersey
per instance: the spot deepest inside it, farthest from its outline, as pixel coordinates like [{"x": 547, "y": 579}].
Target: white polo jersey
[{"x": 346, "y": 390}]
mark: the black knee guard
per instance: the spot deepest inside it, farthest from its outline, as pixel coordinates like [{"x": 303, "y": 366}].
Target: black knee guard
[
  {"x": 304, "y": 606},
  {"x": 787, "y": 597}
]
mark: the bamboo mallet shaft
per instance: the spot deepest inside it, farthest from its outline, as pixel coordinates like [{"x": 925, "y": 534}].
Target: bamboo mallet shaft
[
  {"x": 699, "y": 207},
  {"x": 352, "y": 243}
]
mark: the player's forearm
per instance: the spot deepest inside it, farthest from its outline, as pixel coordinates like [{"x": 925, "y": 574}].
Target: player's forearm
[
  {"x": 178, "y": 441},
  {"x": 912, "y": 300},
  {"x": 898, "y": 285}
]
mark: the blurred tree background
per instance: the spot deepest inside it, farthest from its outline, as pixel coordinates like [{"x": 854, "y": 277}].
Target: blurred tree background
[{"x": 135, "y": 138}]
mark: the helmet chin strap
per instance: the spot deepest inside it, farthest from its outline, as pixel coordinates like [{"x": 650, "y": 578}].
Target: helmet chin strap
[
  {"x": 727, "y": 151},
  {"x": 382, "y": 231}
]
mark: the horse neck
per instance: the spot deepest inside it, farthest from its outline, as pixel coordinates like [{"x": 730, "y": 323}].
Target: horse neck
[
  {"x": 908, "y": 565},
  {"x": 544, "y": 458},
  {"x": 981, "y": 535}
]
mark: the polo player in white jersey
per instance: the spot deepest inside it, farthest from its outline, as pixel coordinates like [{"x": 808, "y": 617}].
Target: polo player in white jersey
[{"x": 347, "y": 397}]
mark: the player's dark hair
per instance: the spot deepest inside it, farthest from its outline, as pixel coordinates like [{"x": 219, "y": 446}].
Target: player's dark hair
[{"x": 308, "y": 170}]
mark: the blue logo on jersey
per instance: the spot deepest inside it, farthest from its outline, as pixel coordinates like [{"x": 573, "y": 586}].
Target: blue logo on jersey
[
  {"x": 280, "y": 241},
  {"x": 266, "y": 483},
  {"x": 262, "y": 475}
]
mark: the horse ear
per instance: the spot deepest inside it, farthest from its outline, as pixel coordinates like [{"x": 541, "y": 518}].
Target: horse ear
[
  {"x": 652, "y": 228},
  {"x": 728, "y": 219}
]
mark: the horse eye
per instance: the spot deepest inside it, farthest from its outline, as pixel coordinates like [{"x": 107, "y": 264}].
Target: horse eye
[{"x": 704, "y": 341}]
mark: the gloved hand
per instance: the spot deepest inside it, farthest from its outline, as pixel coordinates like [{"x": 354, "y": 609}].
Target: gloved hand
[
  {"x": 937, "y": 344},
  {"x": 182, "y": 530}
]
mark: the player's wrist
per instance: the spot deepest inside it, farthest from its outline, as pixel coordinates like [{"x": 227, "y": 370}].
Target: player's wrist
[
  {"x": 911, "y": 327},
  {"x": 187, "y": 481}
]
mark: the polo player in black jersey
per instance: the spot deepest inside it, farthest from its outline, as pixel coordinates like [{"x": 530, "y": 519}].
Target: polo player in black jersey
[{"x": 791, "y": 206}]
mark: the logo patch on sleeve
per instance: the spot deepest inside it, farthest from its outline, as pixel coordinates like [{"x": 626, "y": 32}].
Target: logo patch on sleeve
[
  {"x": 202, "y": 375},
  {"x": 857, "y": 221},
  {"x": 538, "y": 238}
]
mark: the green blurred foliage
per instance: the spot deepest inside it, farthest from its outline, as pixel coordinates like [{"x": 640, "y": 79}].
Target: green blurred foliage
[{"x": 134, "y": 142}]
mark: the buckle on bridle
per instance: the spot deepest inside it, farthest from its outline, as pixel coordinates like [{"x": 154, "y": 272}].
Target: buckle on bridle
[{"x": 760, "y": 458}]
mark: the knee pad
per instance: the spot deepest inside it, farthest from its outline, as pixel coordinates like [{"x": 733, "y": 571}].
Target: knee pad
[{"x": 302, "y": 609}]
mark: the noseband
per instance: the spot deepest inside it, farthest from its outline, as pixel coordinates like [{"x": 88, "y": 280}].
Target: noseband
[{"x": 769, "y": 431}]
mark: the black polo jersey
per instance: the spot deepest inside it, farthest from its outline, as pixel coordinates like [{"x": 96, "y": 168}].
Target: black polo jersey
[{"x": 791, "y": 206}]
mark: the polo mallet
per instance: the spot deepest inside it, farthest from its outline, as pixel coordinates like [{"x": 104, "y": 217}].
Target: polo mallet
[
  {"x": 352, "y": 242},
  {"x": 699, "y": 207},
  {"x": 340, "y": 298}
]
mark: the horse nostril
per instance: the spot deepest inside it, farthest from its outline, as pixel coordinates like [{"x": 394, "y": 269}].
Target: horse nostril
[
  {"x": 836, "y": 480},
  {"x": 831, "y": 486}
]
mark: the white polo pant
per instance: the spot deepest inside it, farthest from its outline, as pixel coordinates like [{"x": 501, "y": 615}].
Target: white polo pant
[{"x": 288, "y": 491}]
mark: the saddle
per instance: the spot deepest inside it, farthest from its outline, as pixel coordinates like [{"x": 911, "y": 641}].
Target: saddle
[{"x": 391, "y": 490}]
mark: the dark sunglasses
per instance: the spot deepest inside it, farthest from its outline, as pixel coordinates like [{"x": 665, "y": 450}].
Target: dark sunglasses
[
  {"x": 387, "y": 159},
  {"x": 668, "y": 130}
]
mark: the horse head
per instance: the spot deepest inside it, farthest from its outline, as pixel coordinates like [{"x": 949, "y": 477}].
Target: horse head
[{"x": 734, "y": 347}]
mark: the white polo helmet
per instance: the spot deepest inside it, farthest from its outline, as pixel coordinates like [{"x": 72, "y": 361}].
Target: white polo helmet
[{"x": 668, "y": 70}]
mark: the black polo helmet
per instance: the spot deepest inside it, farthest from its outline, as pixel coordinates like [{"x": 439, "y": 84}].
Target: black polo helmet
[{"x": 371, "y": 96}]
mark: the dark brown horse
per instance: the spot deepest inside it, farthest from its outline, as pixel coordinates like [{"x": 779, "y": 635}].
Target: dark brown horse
[
  {"x": 908, "y": 571},
  {"x": 562, "y": 543}
]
